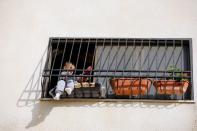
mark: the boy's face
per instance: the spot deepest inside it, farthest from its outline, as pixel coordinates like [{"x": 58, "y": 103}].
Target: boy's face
[{"x": 69, "y": 67}]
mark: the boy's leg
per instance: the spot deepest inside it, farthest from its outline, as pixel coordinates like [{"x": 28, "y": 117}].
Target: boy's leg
[
  {"x": 60, "y": 86},
  {"x": 69, "y": 86},
  {"x": 59, "y": 89}
]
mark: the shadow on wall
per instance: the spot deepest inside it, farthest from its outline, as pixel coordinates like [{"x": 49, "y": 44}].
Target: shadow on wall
[
  {"x": 40, "y": 109},
  {"x": 43, "y": 108},
  {"x": 32, "y": 92}
]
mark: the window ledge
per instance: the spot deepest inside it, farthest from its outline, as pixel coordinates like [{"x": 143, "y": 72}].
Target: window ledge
[{"x": 120, "y": 100}]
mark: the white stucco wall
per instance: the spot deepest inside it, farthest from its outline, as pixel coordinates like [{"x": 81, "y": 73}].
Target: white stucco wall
[{"x": 25, "y": 27}]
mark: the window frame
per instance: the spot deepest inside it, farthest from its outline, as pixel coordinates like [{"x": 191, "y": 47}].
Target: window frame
[{"x": 190, "y": 55}]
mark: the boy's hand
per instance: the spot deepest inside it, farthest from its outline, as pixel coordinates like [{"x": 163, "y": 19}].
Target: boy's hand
[{"x": 87, "y": 71}]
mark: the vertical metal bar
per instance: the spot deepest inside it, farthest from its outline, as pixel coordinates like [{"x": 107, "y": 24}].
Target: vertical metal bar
[
  {"x": 108, "y": 65},
  {"x": 130, "y": 58},
  {"x": 165, "y": 67},
  {"x": 62, "y": 58},
  {"x": 86, "y": 54},
  {"x": 55, "y": 56},
  {"x": 49, "y": 72},
  {"x": 134, "y": 46},
  {"x": 149, "y": 49},
  {"x": 109, "y": 54},
  {"x": 140, "y": 68},
  {"x": 54, "y": 59},
  {"x": 124, "y": 67},
  {"x": 157, "y": 41},
  {"x": 44, "y": 89},
  {"x": 117, "y": 56},
  {"x": 124, "y": 59},
  {"x": 100, "y": 66},
  {"x": 101, "y": 56},
  {"x": 48, "y": 52},
  {"x": 174, "y": 66},
  {"x": 87, "y": 49},
  {"x": 120, "y": 61},
  {"x": 165, "y": 64},
  {"x": 98, "y": 60},
  {"x": 93, "y": 59},
  {"x": 78, "y": 55},
  {"x": 72, "y": 50},
  {"x": 191, "y": 68},
  {"x": 106, "y": 58},
  {"x": 173, "y": 55},
  {"x": 94, "y": 53},
  {"x": 182, "y": 68}
]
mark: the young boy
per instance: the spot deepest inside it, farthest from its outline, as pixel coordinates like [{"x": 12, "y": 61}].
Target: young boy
[{"x": 65, "y": 83}]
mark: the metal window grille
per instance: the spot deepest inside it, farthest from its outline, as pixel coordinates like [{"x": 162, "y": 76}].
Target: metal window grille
[{"x": 131, "y": 68}]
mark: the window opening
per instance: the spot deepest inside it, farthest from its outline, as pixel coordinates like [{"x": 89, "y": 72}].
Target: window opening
[{"x": 126, "y": 68}]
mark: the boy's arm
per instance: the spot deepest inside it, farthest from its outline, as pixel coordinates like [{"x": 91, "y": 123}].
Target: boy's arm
[
  {"x": 86, "y": 72},
  {"x": 63, "y": 77}
]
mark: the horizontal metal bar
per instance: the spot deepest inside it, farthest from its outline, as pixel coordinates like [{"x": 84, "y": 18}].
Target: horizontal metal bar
[
  {"x": 102, "y": 38},
  {"x": 135, "y": 76},
  {"x": 118, "y": 100},
  {"x": 121, "y": 43},
  {"x": 161, "y": 71}
]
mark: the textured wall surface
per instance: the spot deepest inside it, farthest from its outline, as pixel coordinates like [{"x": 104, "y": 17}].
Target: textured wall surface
[{"x": 25, "y": 27}]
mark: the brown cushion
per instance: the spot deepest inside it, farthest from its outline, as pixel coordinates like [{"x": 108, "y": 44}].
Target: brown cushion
[{"x": 84, "y": 84}]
